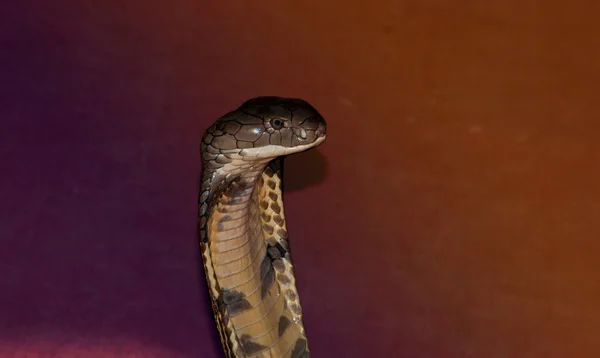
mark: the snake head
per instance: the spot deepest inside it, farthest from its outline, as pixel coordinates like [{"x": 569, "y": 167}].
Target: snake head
[{"x": 267, "y": 127}]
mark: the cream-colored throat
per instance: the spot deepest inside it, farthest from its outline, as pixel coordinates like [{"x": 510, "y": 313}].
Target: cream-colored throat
[{"x": 252, "y": 265}]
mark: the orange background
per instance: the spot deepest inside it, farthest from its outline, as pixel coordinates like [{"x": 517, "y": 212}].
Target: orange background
[{"x": 450, "y": 213}]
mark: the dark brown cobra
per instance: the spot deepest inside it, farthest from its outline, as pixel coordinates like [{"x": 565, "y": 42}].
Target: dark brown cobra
[{"x": 243, "y": 235}]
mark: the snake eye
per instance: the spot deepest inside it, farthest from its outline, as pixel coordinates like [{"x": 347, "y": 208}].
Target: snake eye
[{"x": 277, "y": 123}]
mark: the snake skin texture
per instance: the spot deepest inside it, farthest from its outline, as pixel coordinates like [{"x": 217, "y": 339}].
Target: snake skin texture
[{"x": 243, "y": 234}]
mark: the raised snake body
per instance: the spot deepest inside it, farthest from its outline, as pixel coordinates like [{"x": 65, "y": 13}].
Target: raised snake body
[{"x": 243, "y": 236}]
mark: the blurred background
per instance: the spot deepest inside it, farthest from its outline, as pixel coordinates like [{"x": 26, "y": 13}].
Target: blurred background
[{"x": 452, "y": 211}]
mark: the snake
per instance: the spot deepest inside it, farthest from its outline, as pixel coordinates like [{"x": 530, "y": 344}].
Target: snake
[{"x": 243, "y": 235}]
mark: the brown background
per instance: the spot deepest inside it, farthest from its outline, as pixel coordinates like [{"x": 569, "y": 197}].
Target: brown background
[{"x": 450, "y": 213}]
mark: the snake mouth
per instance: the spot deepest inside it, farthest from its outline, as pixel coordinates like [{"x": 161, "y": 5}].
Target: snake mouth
[
  {"x": 316, "y": 142},
  {"x": 273, "y": 151},
  {"x": 320, "y": 139}
]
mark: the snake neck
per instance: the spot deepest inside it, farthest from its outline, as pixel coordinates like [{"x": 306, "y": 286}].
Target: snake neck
[
  {"x": 235, "y": 204},
  {"x": 248, "y": 265},
  {"x": 226, "y": 185}
]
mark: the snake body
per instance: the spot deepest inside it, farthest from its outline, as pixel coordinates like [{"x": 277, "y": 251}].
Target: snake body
[{"x": 243, "y": 235}]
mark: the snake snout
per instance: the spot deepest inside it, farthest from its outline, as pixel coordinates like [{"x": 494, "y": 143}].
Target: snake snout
[
  {"x": 321, "y": 130},
  {"x": 315, "y": 125}
]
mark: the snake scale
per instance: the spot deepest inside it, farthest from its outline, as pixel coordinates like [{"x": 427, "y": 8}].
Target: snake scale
[{"x": 243, "y": 235}]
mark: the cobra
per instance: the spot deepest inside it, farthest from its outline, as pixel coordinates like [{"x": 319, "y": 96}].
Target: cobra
[{"x": 243, "y": 234}]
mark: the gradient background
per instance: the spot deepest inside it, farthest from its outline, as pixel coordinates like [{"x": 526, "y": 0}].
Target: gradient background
[{"x": 452, "y": 212}]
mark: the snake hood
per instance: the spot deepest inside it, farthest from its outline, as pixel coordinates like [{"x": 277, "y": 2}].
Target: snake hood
[{"x": 266, "y": 127}]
